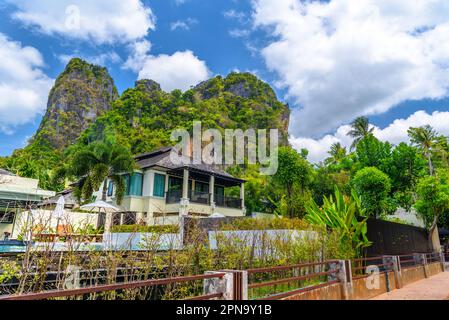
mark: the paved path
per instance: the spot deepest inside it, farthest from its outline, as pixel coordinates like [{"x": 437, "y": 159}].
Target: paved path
[{"x": 433, "y": 288}]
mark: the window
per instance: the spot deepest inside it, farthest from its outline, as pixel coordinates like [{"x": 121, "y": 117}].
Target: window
[
  {"x": 110, "y": 189},
  {"x": 133, "y": 184},
  {"x": 219, "y": 191},
  {"x": 159, "y": 185},
  {"x": 6, "y": 217},
  {"x": 136, "y": 184},
  {"x": 201, "y": 187}
]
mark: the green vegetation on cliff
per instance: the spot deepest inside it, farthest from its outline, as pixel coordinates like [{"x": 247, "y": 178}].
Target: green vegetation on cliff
[
  {"x": 84, "y": 106},
  {"x": 144, "y": 117}
]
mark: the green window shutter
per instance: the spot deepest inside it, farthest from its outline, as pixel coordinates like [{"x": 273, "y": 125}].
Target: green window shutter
[
  {"x": 110, "y": 189},
  {"x": 136, "y": 184},
  {"x": 159, "y": 185}
]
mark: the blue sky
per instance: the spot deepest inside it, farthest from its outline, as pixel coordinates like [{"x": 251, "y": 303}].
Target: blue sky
[{"x": 331, "y": 61}]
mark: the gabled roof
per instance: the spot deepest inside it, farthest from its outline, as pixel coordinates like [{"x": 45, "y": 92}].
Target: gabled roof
[
  {"x": 68, "y": 197},
  {"x": 161, "y": 158}
]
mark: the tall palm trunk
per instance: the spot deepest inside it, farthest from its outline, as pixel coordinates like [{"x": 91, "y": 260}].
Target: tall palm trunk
[
  {"x": 429, "y": 159},
  {"x": 105, "y": 190}
]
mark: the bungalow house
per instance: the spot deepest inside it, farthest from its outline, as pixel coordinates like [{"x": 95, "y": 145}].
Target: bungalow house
[
  {"x": 17, "y": 194},
  {"x": 160, "y": 192}
]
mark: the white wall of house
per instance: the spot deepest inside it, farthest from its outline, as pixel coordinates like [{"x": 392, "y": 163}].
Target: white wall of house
[{"x": 155, "y": 210}]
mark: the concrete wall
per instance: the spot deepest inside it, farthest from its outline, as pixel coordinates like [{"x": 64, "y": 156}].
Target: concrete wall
[
  {"x": 434, "y": 268},
  {"x": 412, "y": 274},
  {"x": 332, "y": 292},
  {"x": 363, "y": 289}
]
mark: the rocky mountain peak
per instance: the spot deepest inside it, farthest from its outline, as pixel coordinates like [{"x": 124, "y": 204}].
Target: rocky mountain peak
[{"x": 81, "y": 93}]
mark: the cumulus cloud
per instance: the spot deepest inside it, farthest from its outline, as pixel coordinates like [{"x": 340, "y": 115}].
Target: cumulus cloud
[
  {"x": 100, "y": 59},
  {"x": 180, "y": 70},
  {"x": 183, "y": 24},
  {"x": 23, "y": 85},
  {"x": 395, "y": 133},
  {"x": 340, "y": 59},
  {"x": 103, "y": 22}
]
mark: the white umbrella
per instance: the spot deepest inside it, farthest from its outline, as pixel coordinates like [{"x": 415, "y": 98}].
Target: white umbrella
[
  {"x": 59, "y": 210},
  {"x": 101, "y": 206}
]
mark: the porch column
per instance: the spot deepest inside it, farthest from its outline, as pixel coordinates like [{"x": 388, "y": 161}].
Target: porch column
[
  {"x": 185, "y": 184},
  {"x": 242, "y": 195},
  {"x": 184, "y": 205},
  {"x": 212, "y": 192}
]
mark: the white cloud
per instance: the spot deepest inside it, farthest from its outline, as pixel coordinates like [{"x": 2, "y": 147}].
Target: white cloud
[
  {"x": 183, "y": 24},
  {"x": 93, "y": 20},
  {"x": 238, "y": 15},
  {"x": 100, "y": 59},
  {"x": 239, "y": 33},
  {"x": 178, "y": 71},
  {"x": 345, "y": 58},
  {"x": 139, "y": 52},
  {"x": 395, "y": 133},
  {"x": 23, "y": 85}
]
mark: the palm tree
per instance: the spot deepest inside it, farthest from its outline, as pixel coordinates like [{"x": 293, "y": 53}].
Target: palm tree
[
  {"x": 424, "y": 138},
  {"x": 94, "y": 163},
  {"x": 360, "y": 129},
  {"x": 337, "y": 152}
]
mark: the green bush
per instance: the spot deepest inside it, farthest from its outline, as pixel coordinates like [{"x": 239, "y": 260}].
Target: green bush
[
  {"x": 276, "y": 223},
  {"x": 373, "y": 186},
  {"x": 145, "y": 229}
]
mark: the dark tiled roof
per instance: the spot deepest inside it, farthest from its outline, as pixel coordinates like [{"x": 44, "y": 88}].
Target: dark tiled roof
[
  {"x": 6, "y": 173},
  {"x": 161, "y": 158},
  {"x": 68, "y": 197}
]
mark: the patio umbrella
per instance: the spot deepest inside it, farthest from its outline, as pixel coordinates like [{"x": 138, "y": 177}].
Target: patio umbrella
[
  {"x": 59, "y": 210},
  {"x": 103, "y": 208}
]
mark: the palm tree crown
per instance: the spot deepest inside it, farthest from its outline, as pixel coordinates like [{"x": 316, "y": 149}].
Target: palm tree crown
[
  {"x": 424, "y": 138},
  {"x": 360, "y": 129},
  {"x": 337, "y": 152},
  {"x": 94, "y": 163}
]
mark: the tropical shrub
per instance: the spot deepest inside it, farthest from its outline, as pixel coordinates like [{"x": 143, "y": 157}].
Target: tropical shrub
[
  {"x": 145, "y": 229},
  {"x": 373, "y": 186},
  {"x": 344, "y": 214}
]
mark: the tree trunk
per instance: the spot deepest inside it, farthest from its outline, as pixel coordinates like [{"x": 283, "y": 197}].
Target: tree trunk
[
  {"x": 429, "y": 158},
  {"x": 105, "y": 190},
  {"x": 433, "y": 226}
]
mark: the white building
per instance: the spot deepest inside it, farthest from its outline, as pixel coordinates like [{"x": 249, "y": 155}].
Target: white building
[
  {"x": 16, "y": 195},
  {"x": 160, "y": 192}
]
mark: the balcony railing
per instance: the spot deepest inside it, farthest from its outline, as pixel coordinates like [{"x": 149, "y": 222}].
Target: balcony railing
[
  {"x": 200, "y": 197},
  {"x": 174, "y": 196},
  {"x": 228, "y": 202}
]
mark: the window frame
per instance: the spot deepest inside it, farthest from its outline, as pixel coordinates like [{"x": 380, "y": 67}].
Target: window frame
[{"x": 154, "y": 185}]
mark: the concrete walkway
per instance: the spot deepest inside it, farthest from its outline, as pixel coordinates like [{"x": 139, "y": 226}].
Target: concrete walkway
[{"x": 433, "y": 288}]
